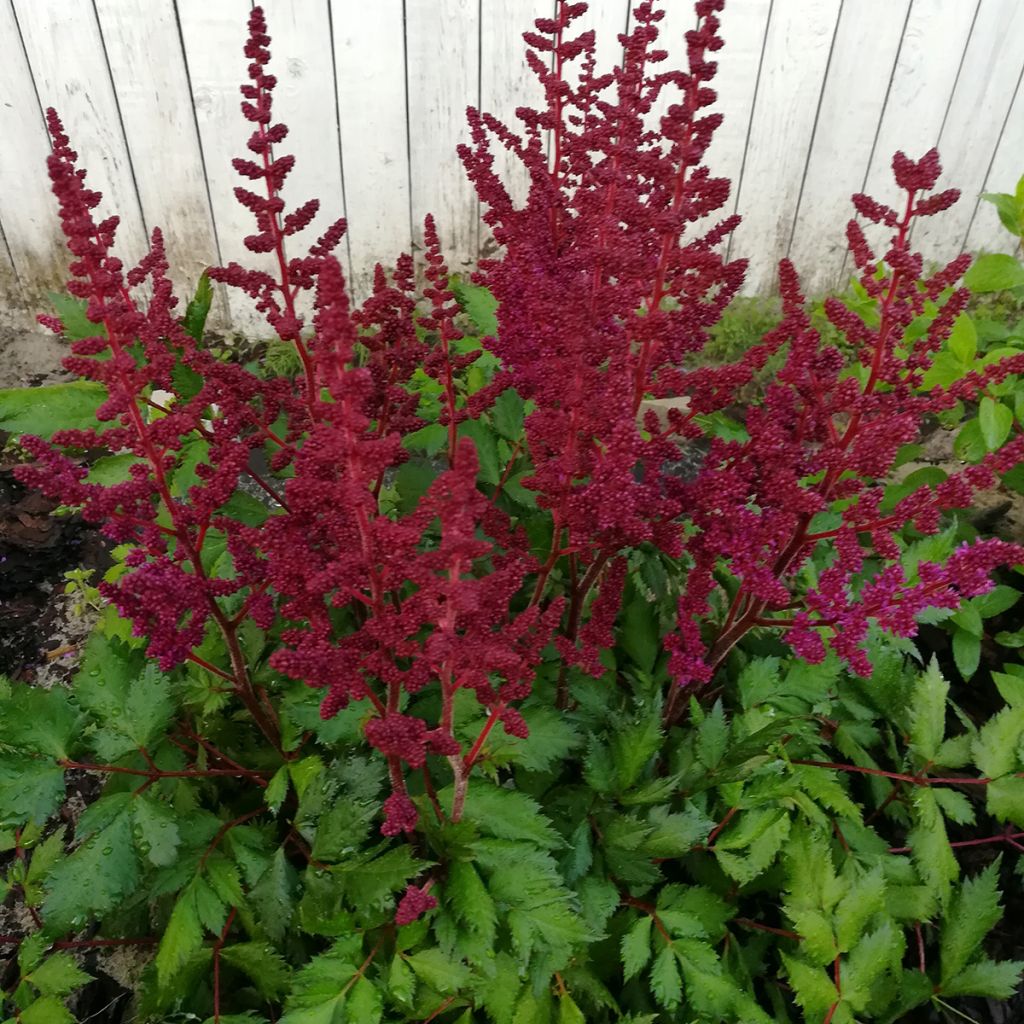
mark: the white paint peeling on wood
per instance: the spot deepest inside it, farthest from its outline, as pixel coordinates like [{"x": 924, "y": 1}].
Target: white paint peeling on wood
[
  {"x": 866, "y": 44},
  {"x": 970, "y": 135},
  {"x": 442, "y": 65},
  {"x": 796, "y": 55},
  {"x": 69, "y": 68},
  {"x": 372, "y": 89},
  {"x": 369, "y": 64}
]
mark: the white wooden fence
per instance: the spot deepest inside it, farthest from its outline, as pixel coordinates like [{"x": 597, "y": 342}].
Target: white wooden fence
[{"x": 817, "y": 95}]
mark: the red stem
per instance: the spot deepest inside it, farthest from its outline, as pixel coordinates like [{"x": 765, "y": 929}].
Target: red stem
[{"x": 218, "y": 946}]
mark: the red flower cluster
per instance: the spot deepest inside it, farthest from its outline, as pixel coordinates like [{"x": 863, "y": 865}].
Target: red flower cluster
[{"x": 605, "y": 291}]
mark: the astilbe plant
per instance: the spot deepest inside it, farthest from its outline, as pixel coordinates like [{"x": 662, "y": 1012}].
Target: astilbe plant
[{"x": 505, "y": 583}]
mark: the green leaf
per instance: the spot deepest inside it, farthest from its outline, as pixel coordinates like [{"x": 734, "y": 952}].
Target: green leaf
[
  {"x": 470, "y": 902},
  {"x": 996, "y": 421},
  {"x": 369, "y": 884},
  {"x": 712, "y": 737},
  {"x": 365, "y": 1003},
  {"x": 928, "y": 712},
  {"x": 40, "y": 721},
  {"x": 437, "y": 970},
  {"x": 1006, "y": 799},
  {"x": 112, "y": 469},
  {"x": 569, "y": 1012},
  {"x": 973, "y": 912},
  {"x": 929, "y": 844},
  {"x": 812, "y": 988},
  {"x": 486, "y": 449},
  {"x": 638, "y": 633},
  {"x": 1006, "y": 207},
  {"x": 401, "y": 980},
  {"x": 876, "y": 954},
  {"x": 963, "y": 339},
  {"x": 71, "y": 311},
  {"x": 181, "y": 938},
  {"x": 477, "y": 303},
  {"x": 58, "y": 975},
  {"x": 636, "y": 946},
  {"x": 507, "y": 414},
  {"x": 966, "y": 652},
  {"x": 48, "y": 1010},
  {"x": 506, "y": 814},
  {"x": 995, "y": 746},
  {"x": 96, "y": 877},
  {"x": 986, "y": 979},
  {"x": 864, "y": 899},
  {"x": 666, "y": 981},
  {"x": 130, "y": 699},
  {"x": 44, "y": 856},
  {"x": 277, "y": 789},
  {"x": 31, "y": 789},
  {"x": 995, "y": 272},
  {"x": 44, "y": 411},
  {"x": 263, "y": 964},
  {"x": 273, "y": 897},
  {"x": 319, "y": 989},
  {"x": 412, "y": 481},
  {"x": 552, "y": 738},
  {"x": 198, "y": 308},
  {"x": 156, "y": 828}
]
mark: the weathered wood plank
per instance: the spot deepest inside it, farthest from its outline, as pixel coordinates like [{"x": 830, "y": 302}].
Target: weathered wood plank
[
  {"x": 68, "y": 65},
  {"x": 977, "y": 114},
  {"x": 151, "y": 83},
  {"x": 862, "y": 65},
  {"x": 797, "y": 49},
  {"x": 442, "y": 67},
  {"x": 369, "y": 62}
]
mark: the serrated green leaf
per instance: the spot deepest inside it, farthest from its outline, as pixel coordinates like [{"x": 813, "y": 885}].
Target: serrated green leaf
[
  {"x": 864, "y": 899},
  {"x": 639, "y": 634},
  {"x": 44, "y": 856},
  {"x": 552, "y": 738},
  {"x": 277, "y": 789},
  {"x": 818, "y": 943},
  {"x": 966, "y": 652},
  {"x": 319, "y": 989},
  {"x": 569, "y": 1012},
  {"x": 812, "y": 988},
  {"x": 401, "y": 980},
  {"x": 986, "y": 979},
  {"x": 198, "y": 308},
  {"x": 273, "y": 897},
  {"x": 636, "y": 946},
  {"x": 39, "y": 721},
  {"x": 437, "y": 970},
  {"x": 477, "y": 303},
  {"x": 181, "y": 938},
  {"x": 1005, "y": 798},
  {"x": 973, "y": 912},
  {"x": 507, "y": 414},
  {"x": 470, "y": 902},
  {"x": 263, "y": 964},
  {"x": 43, "y": 411},
  {"x": 156, "y": 829},
  {"x": 47, "y": 1010},
  {"x": 370, "y": 884},
  {"x": 928, "y": 712},
  {"x": 995, "y": 747},
  {"x": 31, "y": 789},
  {"x": 506, "y": 814},
  {"x": 930, "y": 845},
  {"x": 95, "y": 878},
  {"x": 666, "y": 981},
  {"x": 58, "y": 975},
  {"x": 712, "y": 737},
  {"x": 876, "y": 954}
]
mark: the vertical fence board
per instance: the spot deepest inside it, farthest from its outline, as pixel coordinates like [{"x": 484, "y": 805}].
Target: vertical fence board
[
  {"x": 926, "y": 71},
  {"x": 442, "y": 68},
  {"x": 300, "y": 32},
  {"x": 744, "y": 24},
  {"x": 28, "y": 212},
  {"x": 981, "y": 100},
  {"x": 862, "y": 65},
  {"x": 68, "y": 64},
  {"x": 506, "y": 82},
  {"x": 369, "y": 57},
  {"x": 151, "y": 84},
  {"x": 796, "y": 55},
  {"x": 986, "y": 231},
  {"x": 214, "y": 37}
]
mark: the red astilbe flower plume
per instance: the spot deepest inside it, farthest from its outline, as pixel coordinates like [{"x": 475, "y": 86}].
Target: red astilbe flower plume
[
  {"x": 824, "y": 442},
  {"x": 275, "y": 296}
]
